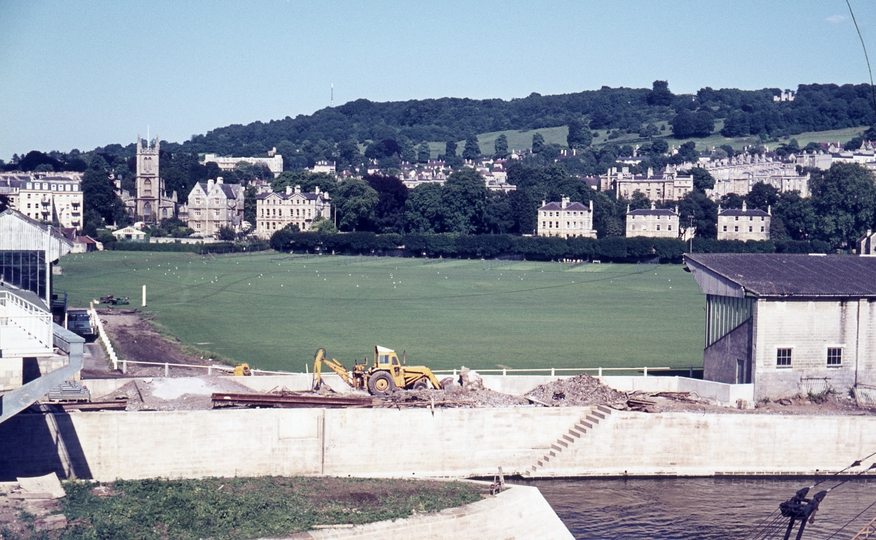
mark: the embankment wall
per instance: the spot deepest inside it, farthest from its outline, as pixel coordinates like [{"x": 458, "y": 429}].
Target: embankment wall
[{"x": 417, "y": 443}]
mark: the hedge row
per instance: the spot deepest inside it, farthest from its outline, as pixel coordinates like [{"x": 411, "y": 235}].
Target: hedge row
[
  {"x": 611, "y": 248},
  {"x": 218, "y": 247}
]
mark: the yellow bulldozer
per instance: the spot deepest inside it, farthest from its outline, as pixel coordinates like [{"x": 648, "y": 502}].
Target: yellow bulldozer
[{"x": 385, "y": 375}]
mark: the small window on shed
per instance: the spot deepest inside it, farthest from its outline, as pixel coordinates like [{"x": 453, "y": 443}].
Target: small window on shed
[
  {"x": 834, "y": 356},
  {"x": 783, "y": 357}
]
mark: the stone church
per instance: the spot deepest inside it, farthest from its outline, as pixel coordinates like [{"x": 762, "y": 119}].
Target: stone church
[{"x": 150, "y": 202}]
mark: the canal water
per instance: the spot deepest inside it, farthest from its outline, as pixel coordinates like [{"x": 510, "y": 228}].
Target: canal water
[{"x": 702, "y": 508}]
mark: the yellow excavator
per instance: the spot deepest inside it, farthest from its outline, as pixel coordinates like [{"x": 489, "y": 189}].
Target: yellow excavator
[{"x": 384, "y": 376}]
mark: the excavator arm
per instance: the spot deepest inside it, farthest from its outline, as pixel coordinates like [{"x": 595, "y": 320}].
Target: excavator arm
[{"x": 320, "y": 359}]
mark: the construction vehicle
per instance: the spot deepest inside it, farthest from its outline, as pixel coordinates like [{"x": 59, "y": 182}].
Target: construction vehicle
[
  {"x": 242, "y": 370},
  {"x": 114, "y": 301},
  {"x": 384, "y": 376}
]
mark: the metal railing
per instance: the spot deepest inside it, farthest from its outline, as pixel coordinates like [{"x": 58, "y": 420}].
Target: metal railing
[{"x": 553, "y": 371}]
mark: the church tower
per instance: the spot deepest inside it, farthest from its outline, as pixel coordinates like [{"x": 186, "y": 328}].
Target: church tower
[{"x": 150, "y": 189}]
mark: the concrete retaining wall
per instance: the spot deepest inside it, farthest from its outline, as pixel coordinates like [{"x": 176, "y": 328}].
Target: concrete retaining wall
[
  {"x": 519, "y": 512},
  {"x": 415, "y": 443}
]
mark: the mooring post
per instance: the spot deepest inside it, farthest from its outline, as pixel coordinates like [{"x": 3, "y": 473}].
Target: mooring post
[{"x": 166, "y": 369}]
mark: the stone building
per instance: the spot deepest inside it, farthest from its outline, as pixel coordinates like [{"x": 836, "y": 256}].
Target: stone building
[
  {"x": 566, "y": 219},
  {"x": 668, "y": 185},
  {"x": 276, "y": 210},
  {"x": 150, "y": 202},
  {"x": 653, "y": 222},
  {"x": 788, "y": 324},
  {"x": 46, "y": 196},
  {"x": 213, "y": 205},
  {"x": 744, "y": 224},
  {"x": 274, "y": 162},
  {"x": 867, "y": 244}
]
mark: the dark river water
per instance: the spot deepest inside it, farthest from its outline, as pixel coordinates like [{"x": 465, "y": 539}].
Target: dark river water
[{"x": 709, "y": 508}]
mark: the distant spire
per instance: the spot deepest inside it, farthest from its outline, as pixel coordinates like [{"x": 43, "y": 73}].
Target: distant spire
[{"x": 332, "y": 102}]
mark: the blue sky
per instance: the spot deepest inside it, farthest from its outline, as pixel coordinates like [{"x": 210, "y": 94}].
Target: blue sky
[{"x": 81, "y": 74}]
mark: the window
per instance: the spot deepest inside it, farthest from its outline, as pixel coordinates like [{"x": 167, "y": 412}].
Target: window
[
  {"x": 750, "y": 229},
  {"x": 736, "y": 228},
  {"x": 725, "y": 228},
  {"x": 783, "y": 357},
  {"x": 834, "y": 356}
]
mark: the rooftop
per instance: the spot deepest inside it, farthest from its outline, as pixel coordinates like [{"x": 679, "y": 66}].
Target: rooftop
[{"x": 784, "y": 275}]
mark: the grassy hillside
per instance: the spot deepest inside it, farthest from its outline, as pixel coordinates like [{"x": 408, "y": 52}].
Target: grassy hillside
[
  {"x": 273, "y": 311},
  {"x": 520, "y": 140}
]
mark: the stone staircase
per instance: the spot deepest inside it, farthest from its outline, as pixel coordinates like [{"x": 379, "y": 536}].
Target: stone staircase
[{"x": 579, "y": 430}]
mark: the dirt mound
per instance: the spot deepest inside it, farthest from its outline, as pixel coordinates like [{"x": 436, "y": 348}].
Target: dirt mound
[
  {"x": 578, "y": 391},
  {"x": 455, "y": 397}
]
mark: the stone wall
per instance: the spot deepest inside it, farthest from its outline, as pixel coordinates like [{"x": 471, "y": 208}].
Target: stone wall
[{"x": 416, "y": 443}]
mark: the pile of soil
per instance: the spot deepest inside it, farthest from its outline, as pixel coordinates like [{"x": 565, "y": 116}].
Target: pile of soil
[
  {"x": 581, "y": 390},
  {"x": 455, "y": 397}
]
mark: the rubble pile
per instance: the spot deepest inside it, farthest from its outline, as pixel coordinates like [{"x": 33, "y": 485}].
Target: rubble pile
[
  {"x": 577, "y": 391},
  {"x": 454, "y": 397}
]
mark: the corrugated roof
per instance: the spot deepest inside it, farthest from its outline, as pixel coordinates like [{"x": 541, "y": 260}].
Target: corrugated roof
[{"x": 774, "y": 274}]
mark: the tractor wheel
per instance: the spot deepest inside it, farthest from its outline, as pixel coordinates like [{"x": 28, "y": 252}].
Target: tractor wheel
[
  {"x": 381, "y": 383},
  {"x": 422, "y": 384}
]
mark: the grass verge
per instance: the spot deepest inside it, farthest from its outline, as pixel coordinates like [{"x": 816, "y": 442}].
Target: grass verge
[{"x": 244, "y": 507}]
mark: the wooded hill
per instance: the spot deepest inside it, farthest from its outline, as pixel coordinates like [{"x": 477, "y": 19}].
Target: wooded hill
[{"x": 816, "y": 107}]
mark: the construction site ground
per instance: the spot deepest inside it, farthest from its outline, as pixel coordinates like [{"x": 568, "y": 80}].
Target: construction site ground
[{"x": 136, "y": 339}]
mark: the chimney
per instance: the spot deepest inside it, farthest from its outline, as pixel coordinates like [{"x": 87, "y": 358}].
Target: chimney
[
  {"x": 209, "y": 186},
  {"x": 650, "y": 172},
  {"x": 744, "y": 207},
  {"x": 218, "y": 179},
  {"x": 288, "y": 190},
  {"x": 297, "y": 189},
  {"x": 652, "y": 205},
  {"x": 317, "y": 190},
  {"x": 770, "y": 210},
  {"x": 564, "y": 202}
]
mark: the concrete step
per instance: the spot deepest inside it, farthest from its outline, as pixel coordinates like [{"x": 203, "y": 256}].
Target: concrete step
[
  {"x": 568, "y": 438},
  {"x": 580, "y": 429},
  {"x": 588, "y": 425},
  {"x": 574, "y": 433},
  {"x": 557, "y": 448},
  {"x": 562, "y": 443},
  {"x": 592, "y": 419},
  {"x": 598, "y": 415},
  {"x": 604, "y": 409}
]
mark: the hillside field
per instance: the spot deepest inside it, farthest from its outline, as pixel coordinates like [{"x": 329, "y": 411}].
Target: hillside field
[{"x": 274, "y": 310}]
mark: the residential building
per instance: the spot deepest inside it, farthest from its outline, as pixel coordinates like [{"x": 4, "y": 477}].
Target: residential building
[
  {"x": 653, "y": 222},
  {"x": 788, "y": 324},
  {"x": 276, "y": 210},
  {"x": 327, "y": 167},
  {"x": 744, "y": 224},
  {"x": 867, "y": 244},
  {"x": 130, "y": 234},
  {"x": 274, "y": 163},
  {"x": 213, "y": 205},
  {"x": 46, "y": 196},
  {"x": 668, "y": 185},
  {"x": 566, "y": 219}
]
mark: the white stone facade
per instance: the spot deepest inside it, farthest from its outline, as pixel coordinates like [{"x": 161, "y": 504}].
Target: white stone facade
[
  {"x": 273, "y": 163},
  {"x": 653, "y": 223},
  {"x": 566, "y": 219},
  {"x": 47, "y": 197},
  {"x": 276, "y": 210},
  {"x": 744, "y": 224}
]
